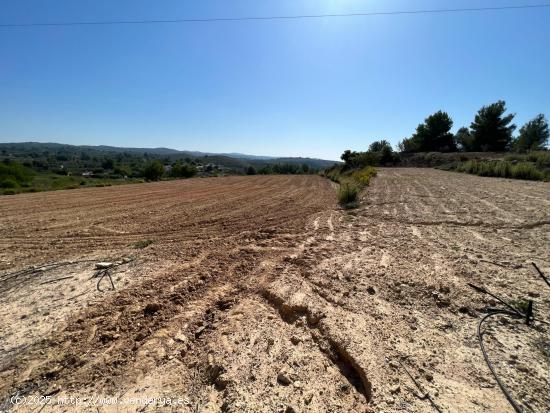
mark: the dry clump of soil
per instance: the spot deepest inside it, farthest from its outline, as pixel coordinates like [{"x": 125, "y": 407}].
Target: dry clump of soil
[{"x": 259, "y": 294}]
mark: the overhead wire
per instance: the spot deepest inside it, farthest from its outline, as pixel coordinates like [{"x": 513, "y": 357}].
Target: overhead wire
[{"x": 268, "y": 18}]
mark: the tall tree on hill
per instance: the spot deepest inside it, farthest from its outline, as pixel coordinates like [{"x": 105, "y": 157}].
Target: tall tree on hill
[
  {"x": 464, "y": 140},
  {"x": 533, "y": 136},
  {"x": 378, "y": 146},
  {"x": 434, "y": 134},
  {"x": 153, "y": 171},
  {"x": 381, "y": 153},
  {"x": 347, "y": 156},
  {"x": 407, "y": 145},
  {"x": 491, "y": 130}
]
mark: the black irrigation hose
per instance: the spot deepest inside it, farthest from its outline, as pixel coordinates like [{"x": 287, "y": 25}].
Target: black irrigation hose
[
  {"x": 541, "y": 274},
  {"x": 503, "y": 388},
  {"x": 419, "y": 387},
  {"x": 43, "y": 267},
  {"x": 500, "y": 300},
  {"x": 104, "y": 273}
]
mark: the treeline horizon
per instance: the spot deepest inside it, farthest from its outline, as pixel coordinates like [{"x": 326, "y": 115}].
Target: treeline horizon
[
  {"x": 33, "y": 167},
  {"x": 492, "y": 130}
]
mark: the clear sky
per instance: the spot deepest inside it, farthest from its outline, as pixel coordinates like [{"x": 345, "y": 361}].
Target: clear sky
[{"x": 300, "y": 87}]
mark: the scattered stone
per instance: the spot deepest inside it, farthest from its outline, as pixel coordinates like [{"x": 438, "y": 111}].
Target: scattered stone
[
  {"x": 140, "y": 336},
  {"x": 182, "y": 338},
  {"x": 523, "y": 368},
  {"x": 221, "y": 383},
  {"x": 395, "y": 389},
  {"x": 108, "y": 336},
  {"x": 295, "y": 340},
  {"x": 199, "y": 331},
  {"x": 224, "y": 305},
  {"x": 297, "y": 384},
  {"x": 215, "y": 370},
  {"x": 290, "y": 409},
  {"x": 443, "y": 303},
  {"x": 151, "y": 309},
  {"x": 429, "y": 376},
  {"x": 371, "y": 290},
  {"x": 284, "y": 378},
  {"x": 314, "y": 316}
]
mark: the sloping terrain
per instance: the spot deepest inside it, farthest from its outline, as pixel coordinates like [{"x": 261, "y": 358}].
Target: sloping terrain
[{"x": 258, "y": 294}]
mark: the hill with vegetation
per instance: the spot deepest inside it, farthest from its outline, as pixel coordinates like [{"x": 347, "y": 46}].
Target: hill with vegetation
[
  {"x": 32, "y": 166},
  {"x": 488, "y": 147}
]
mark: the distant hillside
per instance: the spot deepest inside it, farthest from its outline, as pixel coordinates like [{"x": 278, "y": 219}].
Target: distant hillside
[
  {"x": 156, "y": 151},
  {"x": 64, "y": 152}
]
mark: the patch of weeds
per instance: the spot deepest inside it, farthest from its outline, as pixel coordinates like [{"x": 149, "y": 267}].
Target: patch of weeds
[
  {"x": 504, "y": 169},
  {"x": 347, "y": 195},
  {"x": 520, "y": 305},
  {"x": 351, "y": 183},
  {"x": 142, "y": 244}
]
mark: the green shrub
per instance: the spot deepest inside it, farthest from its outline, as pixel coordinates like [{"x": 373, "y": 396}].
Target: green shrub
[
  {"x": 153, "y": 170},
  {"x": 142, "y": 244},
  {"x": 17, "y": 170},
  {"x": 351, "y": 182},
  {"x": 180, "y": 170},
  {"x": 9, "y": 183},
  {"x": 526, "y": 170},
  {"x": 363, "y": 176},
  {"x": 347, "y": 194},
  {"x": 502, "y": 169},
  {"x": 542, "y": 159}
]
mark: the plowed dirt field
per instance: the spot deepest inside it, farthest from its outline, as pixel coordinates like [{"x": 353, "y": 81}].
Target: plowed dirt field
[{"x": 260, "y": 294}]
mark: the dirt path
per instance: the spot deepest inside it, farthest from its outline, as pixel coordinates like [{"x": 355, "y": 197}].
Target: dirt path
[{"x": 259, "y": 295}]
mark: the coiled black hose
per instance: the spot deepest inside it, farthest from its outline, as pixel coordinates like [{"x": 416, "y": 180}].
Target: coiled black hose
[{"x": 502, "y": 386}]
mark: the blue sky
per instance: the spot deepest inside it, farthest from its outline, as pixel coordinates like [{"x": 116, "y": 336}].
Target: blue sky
[{"x": 289, "y": 88}]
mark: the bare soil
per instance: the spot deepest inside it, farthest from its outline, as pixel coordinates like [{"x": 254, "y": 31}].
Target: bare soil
[{"x": 260, "y": 294}]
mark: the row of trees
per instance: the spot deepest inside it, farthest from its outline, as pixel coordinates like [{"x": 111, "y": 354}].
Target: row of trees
[
  {"x": 491, "y": 131},
  {"x": 13, "y": 174},
  {"x": 281, "y": 169},
  {"x": 154, "y": 170},
  {"x": 380, "y": 153}
]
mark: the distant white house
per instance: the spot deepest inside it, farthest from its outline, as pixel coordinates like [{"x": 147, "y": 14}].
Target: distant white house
[{"x": 87, "y": 173}]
